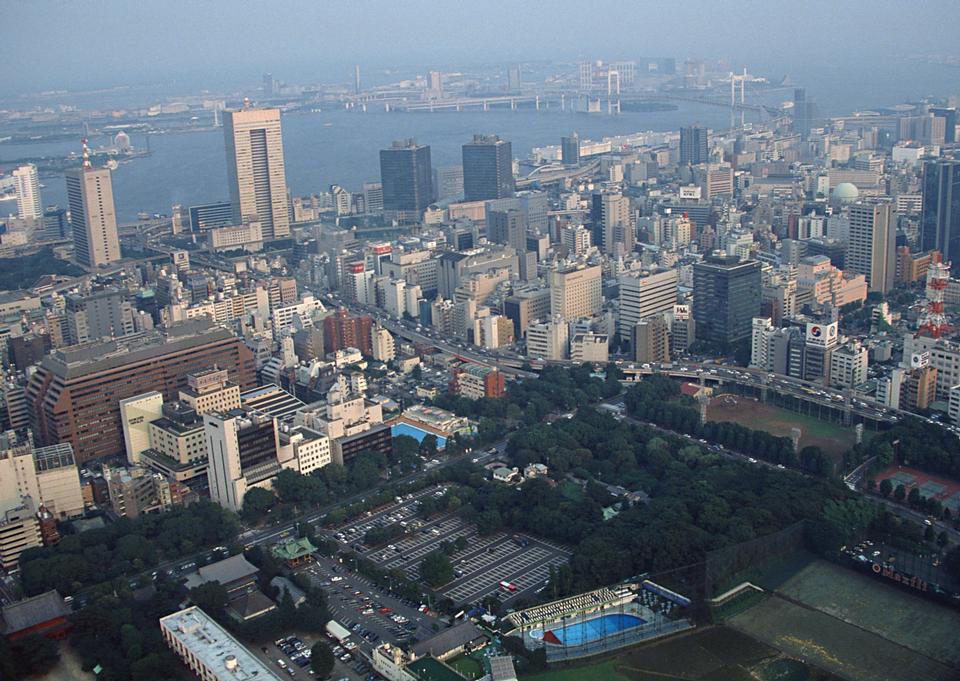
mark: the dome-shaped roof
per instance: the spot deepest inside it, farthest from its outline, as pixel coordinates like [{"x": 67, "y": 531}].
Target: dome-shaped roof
[
  {"x": 845, "y": 192},
  {"x": 122, "y": 141}
]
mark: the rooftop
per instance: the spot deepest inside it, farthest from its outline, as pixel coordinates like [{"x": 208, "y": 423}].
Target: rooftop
[
  {"x": 228, "y": 570},
  {"x": 428, "y": 669},
  {"x": 31, "y": 611},
  {"x": 80, "y": 360},
  {"x": 293, "y": 549},
  {"x": 53, "y": 457},
  {"x": 448, "y": 639},
  {"x": 214, "y": 647}
]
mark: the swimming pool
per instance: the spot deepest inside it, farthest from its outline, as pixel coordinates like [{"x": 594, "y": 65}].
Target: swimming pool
[
  {"x": 578, "y": 633},
  {"x": 403, "y": 428}
]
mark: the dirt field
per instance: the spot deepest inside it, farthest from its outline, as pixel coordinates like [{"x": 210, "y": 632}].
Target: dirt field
[
  {"x": 68, "y": 669},
  {"x": 833, "y": 439},
  {"x": 856, "y": 627},
  {"x": 708, "y": 654}
]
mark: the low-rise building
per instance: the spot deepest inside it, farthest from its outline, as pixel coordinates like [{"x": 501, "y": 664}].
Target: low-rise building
[
  {"x": 590, "y": 347},
  {"x": 474, "y": 381},
  {"x": 209, "y": 650}
]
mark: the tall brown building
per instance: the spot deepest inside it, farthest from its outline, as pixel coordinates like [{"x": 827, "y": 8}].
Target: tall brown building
[
  {"x": 75, "y": 394},
  {"x": 343, "y": 331}
]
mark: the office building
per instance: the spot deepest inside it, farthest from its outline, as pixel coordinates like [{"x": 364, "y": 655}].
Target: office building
[
  {"x": 848, "y": 365},
  {"x": 26, "y": 182},
  {"x": 871, "y": 250},
  {"x": 803, "y": 110},
  {"x": 650, "y": 340},
  {"x": 406, "y": 174},
  {"x": 615, "y": 226},
  {"x": 93, "y": 217},
  {"x": 19, "y": 531},
  {"x": 74, "y": 396},
  {"x": 255, "y": 170},
  {"x": 101, "y": 313},
  {"x": 507, "y": 227},
  {"x": 243, "y": 449},
  {"x": 210, "y": 216},
  {"x": 918, "y": 388},
  {"x": 693, "y": 146},
  {"x": 575, "y": 292},
  {"x": 590, "y": 347},
  {"x": 526, "y": 306},
  {"x": 487, "y": 169},
  {"x": 726, "y": 298},
  {"x": 209, "y": 651},
  {"x": 48, "y": 475},
  {"x": 475, "y": 381},
  {"x": 940, "y": 217},
  {"x": 340, "y": 330},
  {"x": 644, "y": 294},
  {"x": 570, "y": 150},
  {"x": 448, "y": 182},
  {"x": 548, "y": 339}
]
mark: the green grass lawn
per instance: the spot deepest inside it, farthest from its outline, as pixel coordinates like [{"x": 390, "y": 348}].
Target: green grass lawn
[
  {"x": 571, "y": 491},
  {"x": 603, "y": 671},
  {"x": 467, "y": 666}
]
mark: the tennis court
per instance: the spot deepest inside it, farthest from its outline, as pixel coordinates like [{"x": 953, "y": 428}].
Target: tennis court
[{"x": 947, "y": 491}]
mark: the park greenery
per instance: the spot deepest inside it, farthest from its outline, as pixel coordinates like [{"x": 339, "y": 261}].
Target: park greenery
[
  {"x": 913, "y": 442},
  {"x": 436, "y": 568},
  {"x": 125, "y": 547},
  {"x": 29, "y": 656},
  {"x": 321, "y": 660}
]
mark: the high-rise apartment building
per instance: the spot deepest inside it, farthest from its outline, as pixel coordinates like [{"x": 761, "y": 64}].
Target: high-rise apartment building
[
  {"x": 26, "y": 182},
  {"x": 650, "y": 340},
  {"x": 575, "y": 292},
  {"x": 487, "y": 169},
  {"x": 693, "y": 146},
  {"x": 871, "y": 250},
  {"x": 93, "y": 217},
  {"x": 255, "y": 170},
  {"x": 74, "y": 396},
  {"x": 615, "y": 226},
  {"x": 406, "y": 174},
  {"x": 940, "y": 218},
  {"x": 726, "y": 298}
]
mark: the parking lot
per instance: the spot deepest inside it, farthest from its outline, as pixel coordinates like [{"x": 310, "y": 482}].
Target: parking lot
[
  {"x": 522, "y": 561},
  {"x": 369, "y": 612}
]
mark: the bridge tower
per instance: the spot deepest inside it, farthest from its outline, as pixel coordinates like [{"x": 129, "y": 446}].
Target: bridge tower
[
  {"x": 613, "y": 92},
  {"x": 734, "y": 79}
]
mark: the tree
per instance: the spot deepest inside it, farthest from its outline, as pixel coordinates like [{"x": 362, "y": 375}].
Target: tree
[
  {"x": 943, "y": 539},
  {"x": 436, "y": 568},
  {"x": 211, "y": 597},
  {"x": 428, "y": 446},
  {"x": 417, "y": 372},
  {"x": 886, "y": 487},
  {"x": 321, "y": 659},
  {"x": 900, "y": 493},
  {"x": 914, "y": 497},
  {"x": 257, "y": 503}
]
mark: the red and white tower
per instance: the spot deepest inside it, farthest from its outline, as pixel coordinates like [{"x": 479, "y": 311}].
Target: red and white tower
[{"x": 934, "y": 321}]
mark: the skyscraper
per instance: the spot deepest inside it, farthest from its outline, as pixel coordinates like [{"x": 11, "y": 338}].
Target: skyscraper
[
  {"x": 93, "y": 218},
  {"x": 255, "y": 170},
  {"x": 27, "y": 183},
  {"x": 507, "y": 227},
  {"x": 407, "y": 177},
  {"x": 570, "y": 150},
  {"x": 871, "y": 250},
  {"x": 487, "y": 168},
  {"x": 940, "y": 220},
  {"x": 726, "y": 298},
  {"x": 693, "y": 146}
]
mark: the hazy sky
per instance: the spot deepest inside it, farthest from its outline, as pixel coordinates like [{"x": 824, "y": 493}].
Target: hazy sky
[{"x": 57, "y": 44}]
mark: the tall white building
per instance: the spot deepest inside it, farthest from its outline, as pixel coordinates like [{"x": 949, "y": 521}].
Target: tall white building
[
  {"x": 848, "y": 365},
  {"x": 27, "y": 183},
  {"x": 760, "y": 342},
  {"x": 871, "y": 250},
  {"x": 255, "y": 170},
  {"x": 93, "y": 217},
  {"x": 644, "y": 294},
  {"x": 244, "y": 453}
]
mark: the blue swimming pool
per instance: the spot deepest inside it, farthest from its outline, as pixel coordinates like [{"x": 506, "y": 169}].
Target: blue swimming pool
[
  {"x": 578, "y": 633},
  {"x": 417, "y": 433}
]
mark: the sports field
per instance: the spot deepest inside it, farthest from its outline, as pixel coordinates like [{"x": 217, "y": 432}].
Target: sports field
[
  {"x": 944, "y": 489},
  {"x": 708, "y": 654},
  {"x": 856, "y": 626},
  {"x": 832, "y": 438}
]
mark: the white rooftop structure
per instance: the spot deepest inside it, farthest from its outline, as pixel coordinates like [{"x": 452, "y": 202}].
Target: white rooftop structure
[{"x": 209, "y": 650}]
